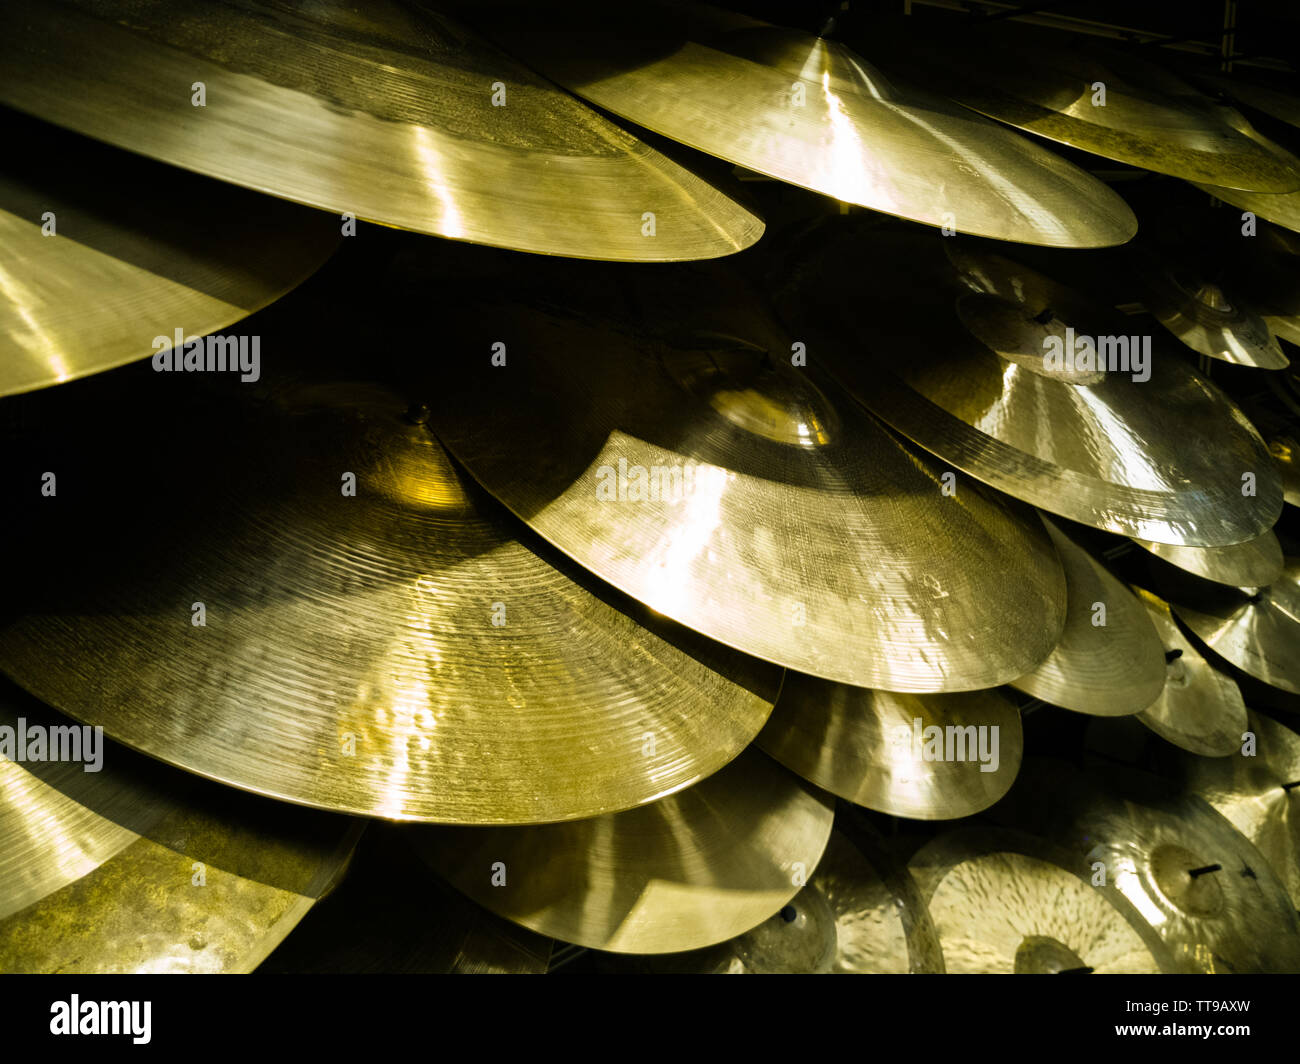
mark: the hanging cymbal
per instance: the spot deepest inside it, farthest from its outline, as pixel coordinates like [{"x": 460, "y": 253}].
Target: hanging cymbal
[
  {"x": 1255, "y": 628},
  {"x": 1253, "y": 563},
  {"x": 1005, "y": 902},
  {"x": 957, "y": 342},
  {"x": 808, "y": 111},
  {"x": 1279, "y": 208},
  {"x": 696, "y": 868},
  {"x": 94, "y": 273},
  {"x": 1280, "y": 105},
  {"x": 929, "y": 757},
  {"x": 114, "y": 863},
  {"x": 684, "y": 460},
  {"x": 389, "y": 113},
  {"x": 377, "y": 638},
  {"x": 1286, "y": 454}
]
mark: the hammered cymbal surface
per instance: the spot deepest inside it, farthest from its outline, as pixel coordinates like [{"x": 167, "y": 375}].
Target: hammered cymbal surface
[{"x": 1254, "y": 563}]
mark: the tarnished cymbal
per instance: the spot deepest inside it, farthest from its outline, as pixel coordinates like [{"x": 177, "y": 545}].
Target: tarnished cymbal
[
  {"x": 683, "y": 458},
  {"x": 113, "y": 863},
  {"x": 929, "y": 757},
  {"x": 809, "y": 111},
  {"x": 979, "y": 359},
  {"x": 1004, "y": 902},
  {"x": 376, "y": 638},
  {"x": 697, "y": 868},
  {"x": 388, "y": 112},
  {"x": 1109, "y": 662},
  {"x": 94, "y": 271},
  {"x": 1253, "y": 563}
]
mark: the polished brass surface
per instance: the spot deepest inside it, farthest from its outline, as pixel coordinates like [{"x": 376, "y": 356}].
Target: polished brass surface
[
  {"x": 1255, "y": 628},
  {"x": 1110, "y": 661},
  {"x": 133, "y": 867},
  {"x": 929, "y": 757},
  {"x": 1200, "y": 708},
  {"x": 955, "y": 360},
  {"x": 400, "y": 653},
  {"x": 91, "y": 271},
  {"x": 1253, "y": 563},
  {"x": 809, "y": 111},
  {"x": 391, "y": 113},
  {"x": 773, "y": 514},
  {"x": 1007, "y": 903},
  {"x": 699, "y": 867}
]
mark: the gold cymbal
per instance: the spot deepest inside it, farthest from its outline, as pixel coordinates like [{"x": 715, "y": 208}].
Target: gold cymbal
[
  {"x": 1005, "y": 902},
  {"x": 1254, "y": 563},
  {"x": 1279, "y": 208},
  {"x": 697, "y": 868},
  {"x": 809, "y": 111},
  {"x": 92, "y": 276},
  {"x": 397, "y": 652},
  {"x": 114, "y": 863},
  {"x": 388, "y": 113},
  {"x": 1267, "y": 266},
  {"x": 929, "y": 757},
  {"x": 1255, "y": 628},
  {"x": 697, "y": 470},
  {"x": 975, "y": 369},
  {"x": 1280, "y": 105},
  {"x": 1286, "y": 454},
  {"x": 1200, "y": 708}
]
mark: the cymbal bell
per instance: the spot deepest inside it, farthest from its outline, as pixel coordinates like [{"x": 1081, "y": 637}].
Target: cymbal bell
[
  {"x": 384, "y": 112},
  {"x": 1254, "y": 563},
  {"x": 699, "y": 867},
  {"x": 929, "y": 757},
  {"x": 114, "y": 863}
]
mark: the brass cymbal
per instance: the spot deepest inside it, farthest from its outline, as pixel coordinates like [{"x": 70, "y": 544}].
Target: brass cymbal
[
  {"x": 929, "y": 757},
  {"x": 808, "y": 111},
  {"x": 1280, "y": 105},
  {"x": 1267, "y": 266},
  {"x": 133, "y": 867},
  {"x": 697, "y": 470},
  {"x": 94, "y": 274},
  {"x": 696, "y": 868},
  {"x": 1286, "y": 454},
  {"x": 399, "y": 652},
  {"x": 959, "y": 362},
  {"x": 1200, "y": 708},
  {"x": 1005, "y": 902},
  {"x": 1253, "y": 563},
  {"x": 1109, "y": 662},
  {"x": 1279, "y": 208},
  {"x": 1255, "y": 628},
  {"x": 393, "y": 114}
]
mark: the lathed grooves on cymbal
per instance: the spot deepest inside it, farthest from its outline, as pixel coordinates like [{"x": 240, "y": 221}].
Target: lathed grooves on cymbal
[
  {"x": 391, "y": 113},
  {"x": 929, "y": 757},
  {"x": 92, "y": 271},
  {"x": 686, "y": 461},
  {"x": 1254, "y": 563},
  {"x": 395, "y": 652},
  {"x": 132, "y": 867},
  {"x": 809, "y": 111},
  {"x": 949, "y": 345},
  {"x": 699, "y": 867}
]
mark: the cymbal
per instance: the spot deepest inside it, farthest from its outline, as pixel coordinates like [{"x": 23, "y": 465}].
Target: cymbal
[
  {"x": 1200, "y": 708},
  {"x": 929, "y": 757},
  {"x": 809, "y": 111},
  {"x": 1280, "y": 105},
  {"x": 133, "y": 867},
  {"x": 115, "y": 271},
  {"x": 1254, "y": 563},
  {"x": 1109, "y": 662},
  {"x": 386, "y": 113},
  {"x": 697, "y": 868},
  {"x": 690, "y": 465},
  {"x": 958, "y": 362},
  {"x": 1257, "y": 629},
  {"x": 1006, "y": 902},
  {"x": 399, "y": 652},
  {"x": 1279, "y": 208},
  {"x": 1267, "y": 265},
  {"x": 1286, "y": 454}
]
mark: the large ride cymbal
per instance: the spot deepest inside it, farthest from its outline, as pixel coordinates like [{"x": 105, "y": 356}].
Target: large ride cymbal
[
  {"x": 699, "y": 867},
  {"x": 808, "y": 111},
  {"x": 391, "y": 113},
  {"x": 1254, "y": 563},
  {"x": 94, "y": 271},
  {"x": 958, "y": 338},
  {"x": 396, "y": 652},
  {"x": 133, "y": 867},
  {"x": 929, "y": 757},
  {"x": 697, "y": 470}
]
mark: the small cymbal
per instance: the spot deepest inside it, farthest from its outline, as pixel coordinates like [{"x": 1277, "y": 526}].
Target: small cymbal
[
  {"x": 133, "y": 867},
  {"x": 1109, "y": 662},
  {"x": 1254, "y": 563},
  {"x": 387, "y": 112},
  {"x": 929, "y": 757},
  {"x": 697, "y": 868}
]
